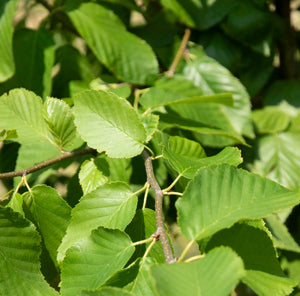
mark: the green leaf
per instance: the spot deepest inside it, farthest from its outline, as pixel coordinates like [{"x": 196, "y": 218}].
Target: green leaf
[
  {"x": 19, "y": 259},
  {"x": 283, "y": 90},
  {"x": 90, "y": 176},
  {"x": 60, "y": 120},
  {"x": 204, "y": 111},
  {"x": 94, "y": 259},
  {"x": 112, "y": 169},
  {"x": 187, "y": 156},
  {"x": 199, "y": 14},
  {"x": 120, "y": 169},
  {"x": 16, "y": 203},
  {"x": 34, "y": 54},
  {"x": 124, "y": 276},
  {"x": 7, "y": 66},
  {"x": 212, "y": 78},
  {"x": 267, "y": 284},
  {"x": 281, "y": 237},
  {"x": 8, "y": 134},
  {"x": 254, "y": 245},
  {"x": 245, "y": 21},
  {"x": 119, "y": 50},
  {"x": 271, "y": 119},
  {"x": 122, "y": 91},
  {"x": 73, "y": 66},
  {"x": 39, "y": 44},
  {"x": 144, "y": 284},
  {"x": 216, "y": 274},
  {"x": 22, "y": 110},
  {"x": 150, "y": 123},
  {"x": 106, "y": 291},
  {"x": 159, "y": 96},
  {"x": 113, "y": 125},
  {"x": 111, "y": 205},
  {"x": 51, "y": 214},
  {"x": 279, "y": 158},
  {"x": 219, "y": 196},
  {"x": 170, "y": 120}
]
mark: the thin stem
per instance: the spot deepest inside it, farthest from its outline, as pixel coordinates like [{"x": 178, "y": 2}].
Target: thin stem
[
  {"x": 142, "y": 189},
  {"x": 24, "y": 179},
  {"x": 152, "y": 153},
  {"x": 166, "y": 190},
  {"x": 173, "y": 193},
  {"x": 146, "y": 196},
  {"x": 18, "y": 187},
  {"x": 144, "y": 241},
  {"x": 187, "y": 248},
  {"x": 184, "y": 41},
  {"x": 137, "y": 94},
  {"x": 149, "y": 247},
  {"x": 158, "y": 208},
  {"x": 157, "y": 157},
  {"x": 47, "y": 163},
  {"x": 194, "y": 258}
]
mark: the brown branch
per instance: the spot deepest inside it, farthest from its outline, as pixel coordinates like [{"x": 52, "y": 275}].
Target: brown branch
[
  {"x": 158, "y": 208},
  {"x": 184, "y": 41},
  {"x": 47, "y": 163}
]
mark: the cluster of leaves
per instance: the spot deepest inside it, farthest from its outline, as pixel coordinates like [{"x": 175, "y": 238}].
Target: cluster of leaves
[{"x": 89, "y": 76}]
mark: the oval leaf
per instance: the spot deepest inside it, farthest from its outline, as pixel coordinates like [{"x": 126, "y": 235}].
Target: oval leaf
[
  {"x": 127, "y": 56},
  {"x": 219, "y": 196},
  {"x": 216, "y": 274},
  {"x": 111, "y": 205},
  {"x": 51, "y": 214},
  {"x": 60, "y": 121},
  {"x": 22, "y": 110},
  {"x": 108, "y": 123},
  {"x": 187, "y": 156},
  {"x": 93, "y": 260}
]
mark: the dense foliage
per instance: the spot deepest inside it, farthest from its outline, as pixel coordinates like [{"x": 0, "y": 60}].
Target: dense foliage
[{"x": 120, "y": 119}]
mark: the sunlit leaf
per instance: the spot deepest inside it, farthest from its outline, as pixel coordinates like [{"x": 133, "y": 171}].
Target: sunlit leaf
[
  {"x": 22, "y": 110},
  {"x": 7, "y": 67},
  {"x": 212, "y": 78},
  {"x": 111, "y": 205},
  {"x": 94, "y": 259},
  {"x": 187, "y": 156},
  {"x": 90, "y": 176},
  {"x": 150, "y": 123},
  {"x": 108, "y": 123},
  {"x": 280, "y": 234},
  {"x": 216, "y": 274},
  {"x": 271, "y": 119},
  {"x": 60, "y": 120},
  {"x": 219, "y": 196},
  {"x": 119, "y": 50},
  {"x": 279, "y": 158}
]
